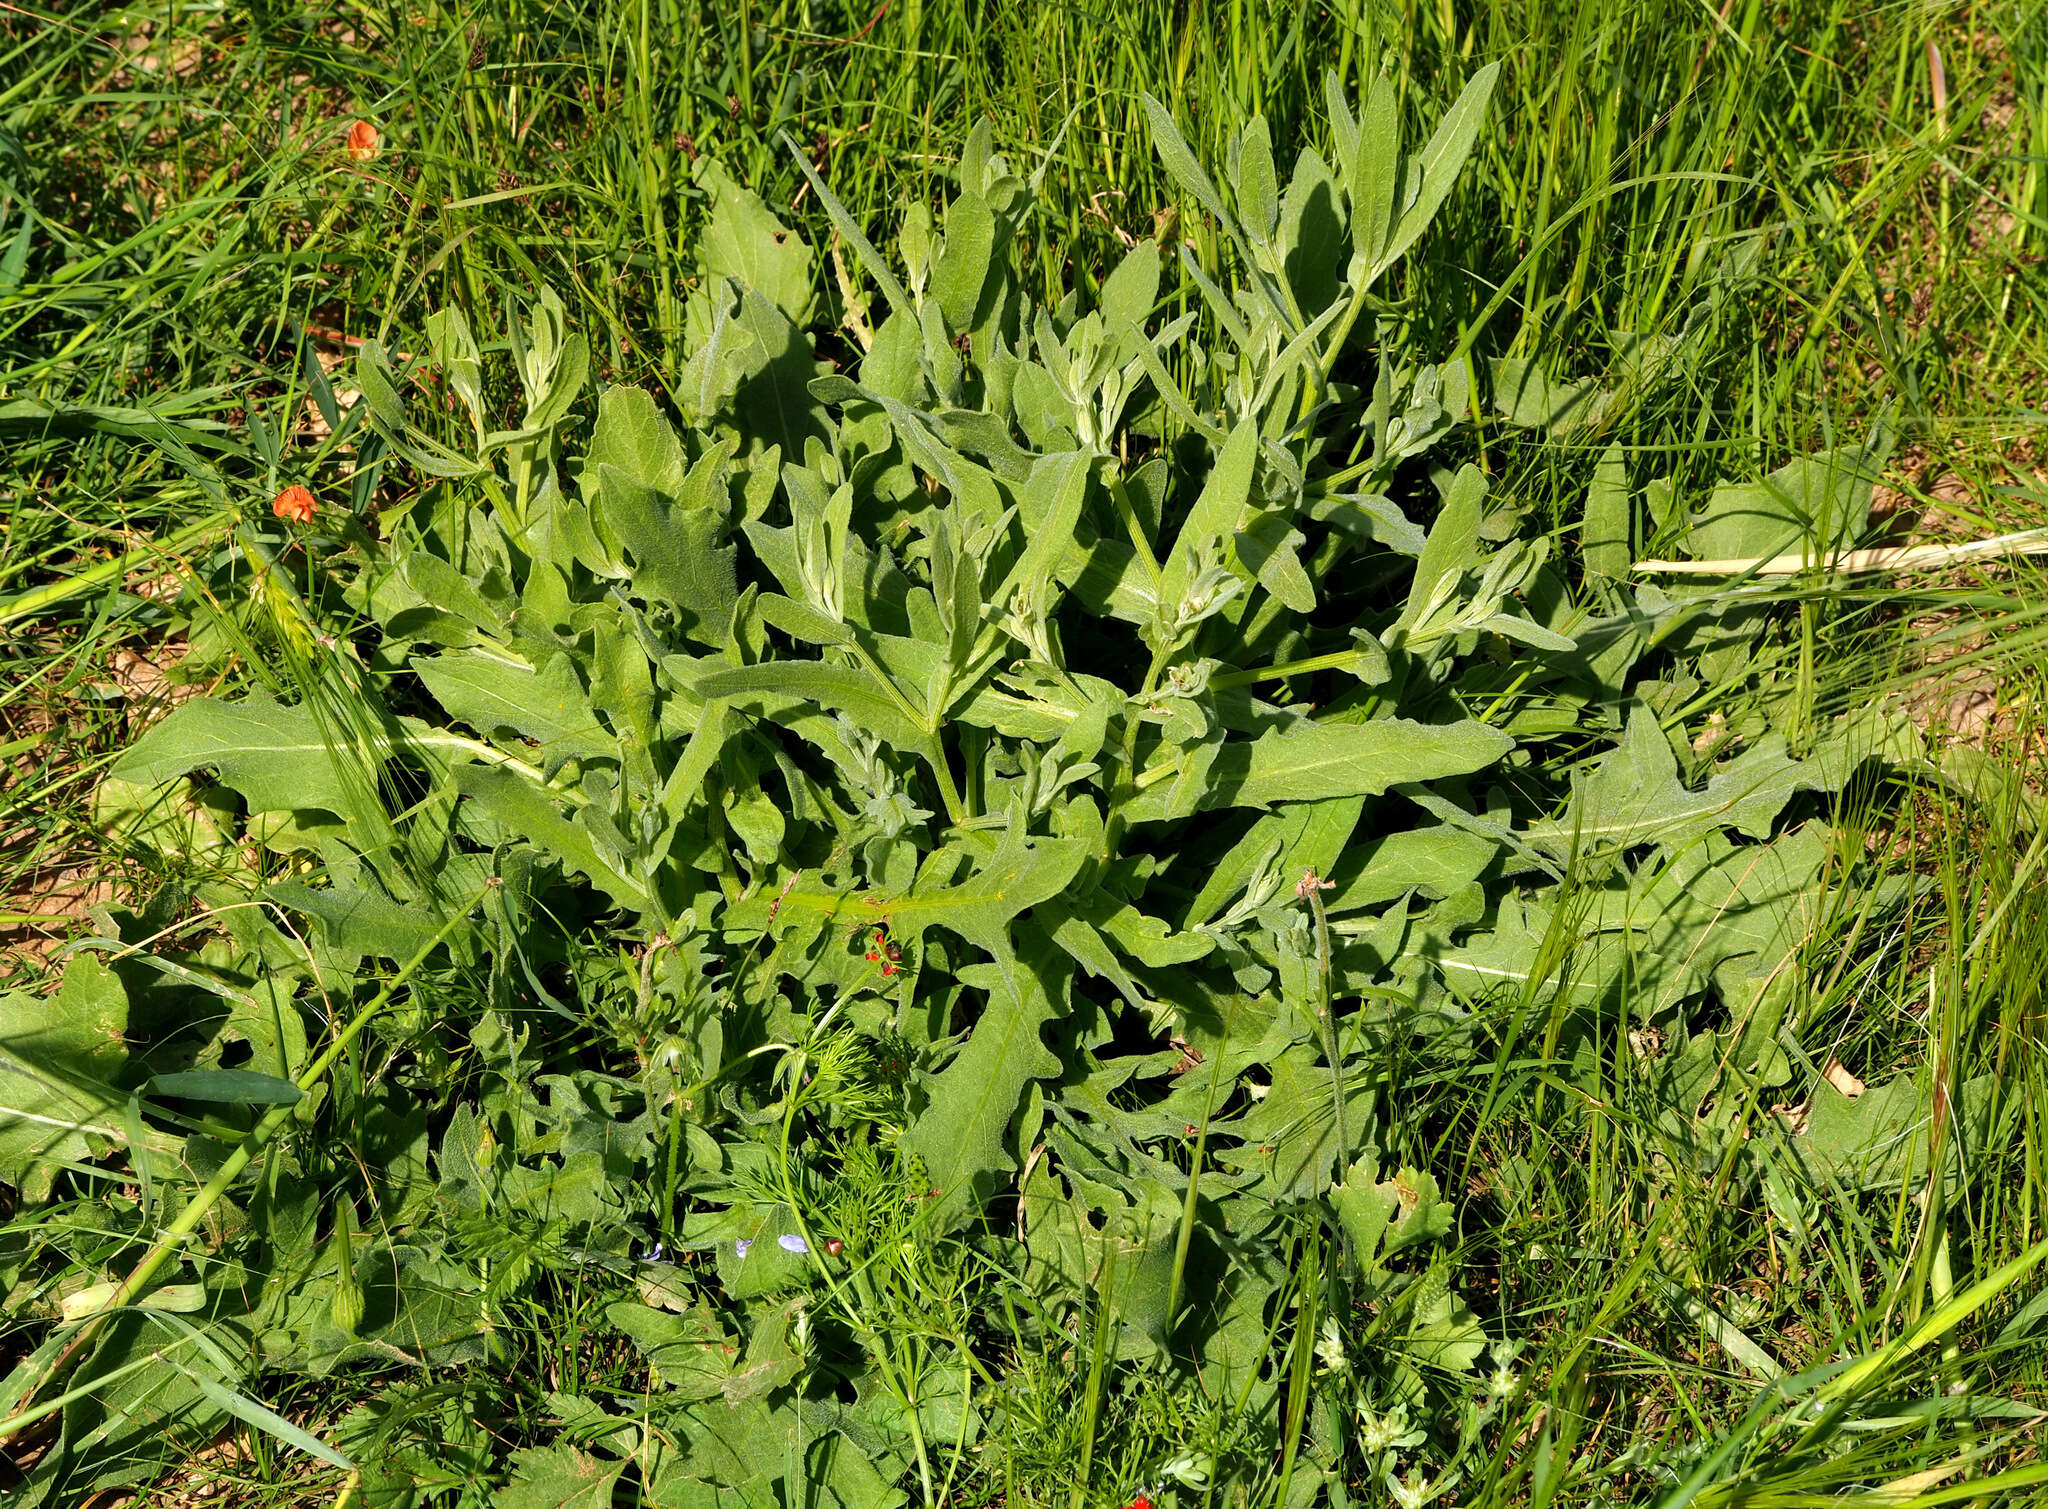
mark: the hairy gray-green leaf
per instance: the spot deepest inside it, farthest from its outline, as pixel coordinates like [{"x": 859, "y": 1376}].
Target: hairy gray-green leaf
[
  {"x": 1180, "y": 160},
  {"x": 963, "y": 267},
  {"x": 531, "y": 813},
  {"x": 279, "y": 758},
  {"x": 1604, "y": 532},
  {"x": 959, "y": 1136},
  {"x": 843, "y": 688},
  {"x": 673, "y": 537},
  {"x": 1433, "y": 170},
  {"x": 745, "y": 241},
  {"x": 491, "y": 693},
  {"x": 1315, "y": 761},
  {"x": 58, "y": 1055},
  {"x": 1636, "y": 797}
]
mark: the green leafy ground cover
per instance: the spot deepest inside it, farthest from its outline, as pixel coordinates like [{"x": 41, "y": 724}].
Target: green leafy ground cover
[{"x": 963, "y": 794}]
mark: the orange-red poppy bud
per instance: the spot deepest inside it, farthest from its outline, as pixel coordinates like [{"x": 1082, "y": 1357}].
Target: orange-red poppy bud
[
  {"x": 363, "y": 140},
  {"x": 294, "y": 503}
]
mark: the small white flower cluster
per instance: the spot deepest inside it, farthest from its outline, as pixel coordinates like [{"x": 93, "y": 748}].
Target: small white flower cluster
[
  {"x": 1330, "y": 1347},
  {"x": 1389, "y": 1432}
]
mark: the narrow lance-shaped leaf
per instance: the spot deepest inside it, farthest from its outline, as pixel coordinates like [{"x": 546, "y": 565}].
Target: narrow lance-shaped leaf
[
  {"x": 843, "y": 221},
  {"x": 1129, "y": 292},
  {"x": 1452, "y": 546},
  {"x": 277, "y": 757},
  {"x": 490, "y": 692},
  {"x": 1604, "y": 533},
  {"x": 1216, "y": 512},
  {"x": 1343, "y": 128},
  {"x": 1436, "y": 166},
  {"x": 1369, "y": 157},
  {"x": 387, "y": 416},
  {"x": 1322, "y": 760},
  {"x": 1053, "y": 497},
  {"x": 963, "y": 267},
  {"x": 842, "y": 688},
  {"x": 1317, "y": 761},
  {"x": 1181, "y": 161},
  {"x": 1258, "y": 185},
  {"x": 1169, "y": 391}
]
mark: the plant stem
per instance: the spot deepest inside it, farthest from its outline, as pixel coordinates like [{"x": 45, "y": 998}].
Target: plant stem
[
  {"x": 1336, "y": 660},
  {"x": 1126, "y": 774},
  {"x": 1312, "y": 887},
  {"x": 1187, "y": 1211}
]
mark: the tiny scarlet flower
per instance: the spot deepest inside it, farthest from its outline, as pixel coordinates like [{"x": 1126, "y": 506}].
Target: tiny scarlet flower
[
  {"x": 834, "y": 1247},
  {"x": 888, "y": 969},
  {"x": 872, "y": 956},
  {"x": 294, "y": 503},
  {"x": 363, "y": 141}
]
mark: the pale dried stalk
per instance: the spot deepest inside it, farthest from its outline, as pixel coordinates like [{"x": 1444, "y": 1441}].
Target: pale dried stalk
[{"x": 1882, "y": 558}]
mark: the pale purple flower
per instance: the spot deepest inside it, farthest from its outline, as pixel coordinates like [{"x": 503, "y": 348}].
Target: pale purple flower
[
  {"x": 792, "y": 1244},
  {"x": 742, "y": 1245}
]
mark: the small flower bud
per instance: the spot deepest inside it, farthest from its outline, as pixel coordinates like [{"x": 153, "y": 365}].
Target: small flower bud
[{"x": 346, "y": 1308}]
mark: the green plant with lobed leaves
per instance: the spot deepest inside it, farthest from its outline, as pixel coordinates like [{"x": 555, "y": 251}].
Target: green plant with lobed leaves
[{"x": 955, "y": 852}]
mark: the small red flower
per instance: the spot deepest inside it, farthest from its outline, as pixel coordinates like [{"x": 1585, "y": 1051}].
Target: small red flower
[
  {"x": 834, "y": 1247},
  {"x": 872, "y": 956},
  {"x": 888, "y": 969},
  {"x": 363, "y": 141},
  {"x": 294, "y": 503},
  {"x": 1140, "y": 1502}
]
